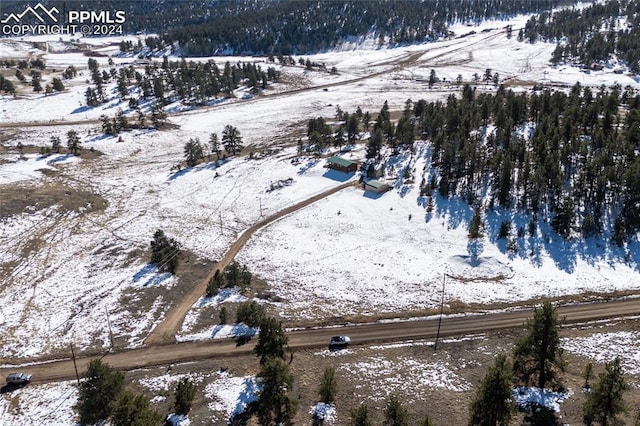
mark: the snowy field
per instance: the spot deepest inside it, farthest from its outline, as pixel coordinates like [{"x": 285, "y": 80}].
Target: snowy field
[{"x": 66, "y": 271}]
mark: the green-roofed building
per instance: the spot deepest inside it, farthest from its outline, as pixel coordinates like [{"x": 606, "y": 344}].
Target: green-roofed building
[
  {"x": 376, "y": 186},
  {"x": 342, "y": 164}
]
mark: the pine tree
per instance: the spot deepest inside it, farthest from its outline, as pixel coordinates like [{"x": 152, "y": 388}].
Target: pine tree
[
  {"x": 158, "y": 116},
  {"x": 537, "y": 354},
  {"x": 55, "y": 143},
  {"x": 121, "y": 120},
  {"x": 360, "y": 416},
  {"x": 375, "y": 144},
  {"x": 232, "y": 140},
  {"x": 212, "y": 287},
  {"x": 587, "y": 374},
  {"x": 352, "y": 128},
  {"x": 232, "y": 274},
  {"x": 275, "y": 405},
  {"x": 505, "y": 229},
  {"x": 432, "y": 78},
  {"x": 223, "y": 315},
  {"x": 271, "y": 341},
  {"x": 35, "y": 82},
  {"x": 100, "y": 386},
  {"x": 493, "y": 404},
  {"x": 564, "y": 217},
  {"x": 338, "y": 140},
  {"x": 131, "y": 409},
  {"x": 426, "y": 421},
  {"x": 214, "y": 144},
  {"x": 218, "y": 279},
  {"x": 91, "y": 98},
  {"x": 328, "y": 386},
  {"x": 107, "y": 126},
  {"x": 366, "y": 120},
  {"x": 193, "y": 152},
  {"x": 164, "y": 251},
  {"x": 73, "y": 142},
  {"x": 57, "y": 84},
  {"x": 605, "y": 402},
  {"x": 476, "y": 226},
  {"x": 250, "y": 313},
  {"x": 184, "y": 395},
  {"x": 394, "y": 413}
]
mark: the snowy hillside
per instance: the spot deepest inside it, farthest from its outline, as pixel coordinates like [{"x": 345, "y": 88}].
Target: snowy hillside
[{"x": 75, "y": 231}]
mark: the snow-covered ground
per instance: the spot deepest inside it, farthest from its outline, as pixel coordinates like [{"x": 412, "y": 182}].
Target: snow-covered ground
[
  {"x": 605, "y": 347},
  {"x": 43, "y": 405},
  {"x": 66, "y": 271}
]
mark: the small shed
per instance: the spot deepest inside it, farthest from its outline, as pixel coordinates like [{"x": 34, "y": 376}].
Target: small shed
[
  {"x": 376, "y": 186},
  {"x": 342, "y": 164}
]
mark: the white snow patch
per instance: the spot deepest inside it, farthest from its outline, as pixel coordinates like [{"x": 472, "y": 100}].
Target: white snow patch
[
  {"x": 178, "y": 419},
  {"x": 544, "y": 397},
  {"x": 167, "y": 382},
  {"x": 221, "y": 331},
  {"x": 231, "y": 395},
  {"x": 29, "y": 166},
  {"x": 40, "y": 405},
  {"x": 324, "y": 412},
  {"x": 386, "y": 376},
  {"x": 605, "y": 347}
]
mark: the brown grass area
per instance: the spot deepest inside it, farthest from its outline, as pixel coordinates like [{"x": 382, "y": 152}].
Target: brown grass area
[
  {"x": 467, "y": 359},
  {"x": 18, "y": 198}
]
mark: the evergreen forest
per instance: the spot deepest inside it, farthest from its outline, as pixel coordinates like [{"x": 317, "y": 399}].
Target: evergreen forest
[
  {"x": 288, "y": 27},
  {"x": 592, "y": 34},
  {"x": 572, "y": 159}
]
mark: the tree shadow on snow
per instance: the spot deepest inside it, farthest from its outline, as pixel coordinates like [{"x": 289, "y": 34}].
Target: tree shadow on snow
[
  {"x": 307, "y": 166},
  {"x": 81, "y": 109}
]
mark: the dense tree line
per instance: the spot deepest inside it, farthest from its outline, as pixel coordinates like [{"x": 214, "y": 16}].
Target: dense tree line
[
  {"x": 591, "y": 34},
  {"x": 570, "y": 158},
  {"x": 187, "y": 81},
  {"x": 292, "y": 27},
  {"x": 289, "y": 26}
]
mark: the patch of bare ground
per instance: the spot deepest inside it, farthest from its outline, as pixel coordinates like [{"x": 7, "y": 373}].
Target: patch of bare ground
[
  {"x": 413, "y": 371},
  {"x": 292, "y": 81},
  {"x": 19, "y": 198}
]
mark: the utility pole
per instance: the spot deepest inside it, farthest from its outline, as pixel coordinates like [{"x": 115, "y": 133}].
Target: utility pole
[
  {"x": 260, "y": 206},
  {"x": 220, "y": 216},
  {"x": 73, "y": 356},
  {"x": 109, "y": 324},
  {"x": 435, "y": 346}
]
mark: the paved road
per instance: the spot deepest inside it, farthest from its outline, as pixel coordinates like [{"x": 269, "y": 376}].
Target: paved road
[{"x": 318, "y": 338}]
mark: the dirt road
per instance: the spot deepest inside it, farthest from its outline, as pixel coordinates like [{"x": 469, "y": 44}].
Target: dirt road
[
  {"x": 165, "y": 331},
  {"x": 395, "y": 65},
  {"x": 319, "y": 338}
]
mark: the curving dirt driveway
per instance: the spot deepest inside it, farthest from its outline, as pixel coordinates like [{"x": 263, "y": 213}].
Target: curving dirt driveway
[{"x": 165, "y": 331}]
